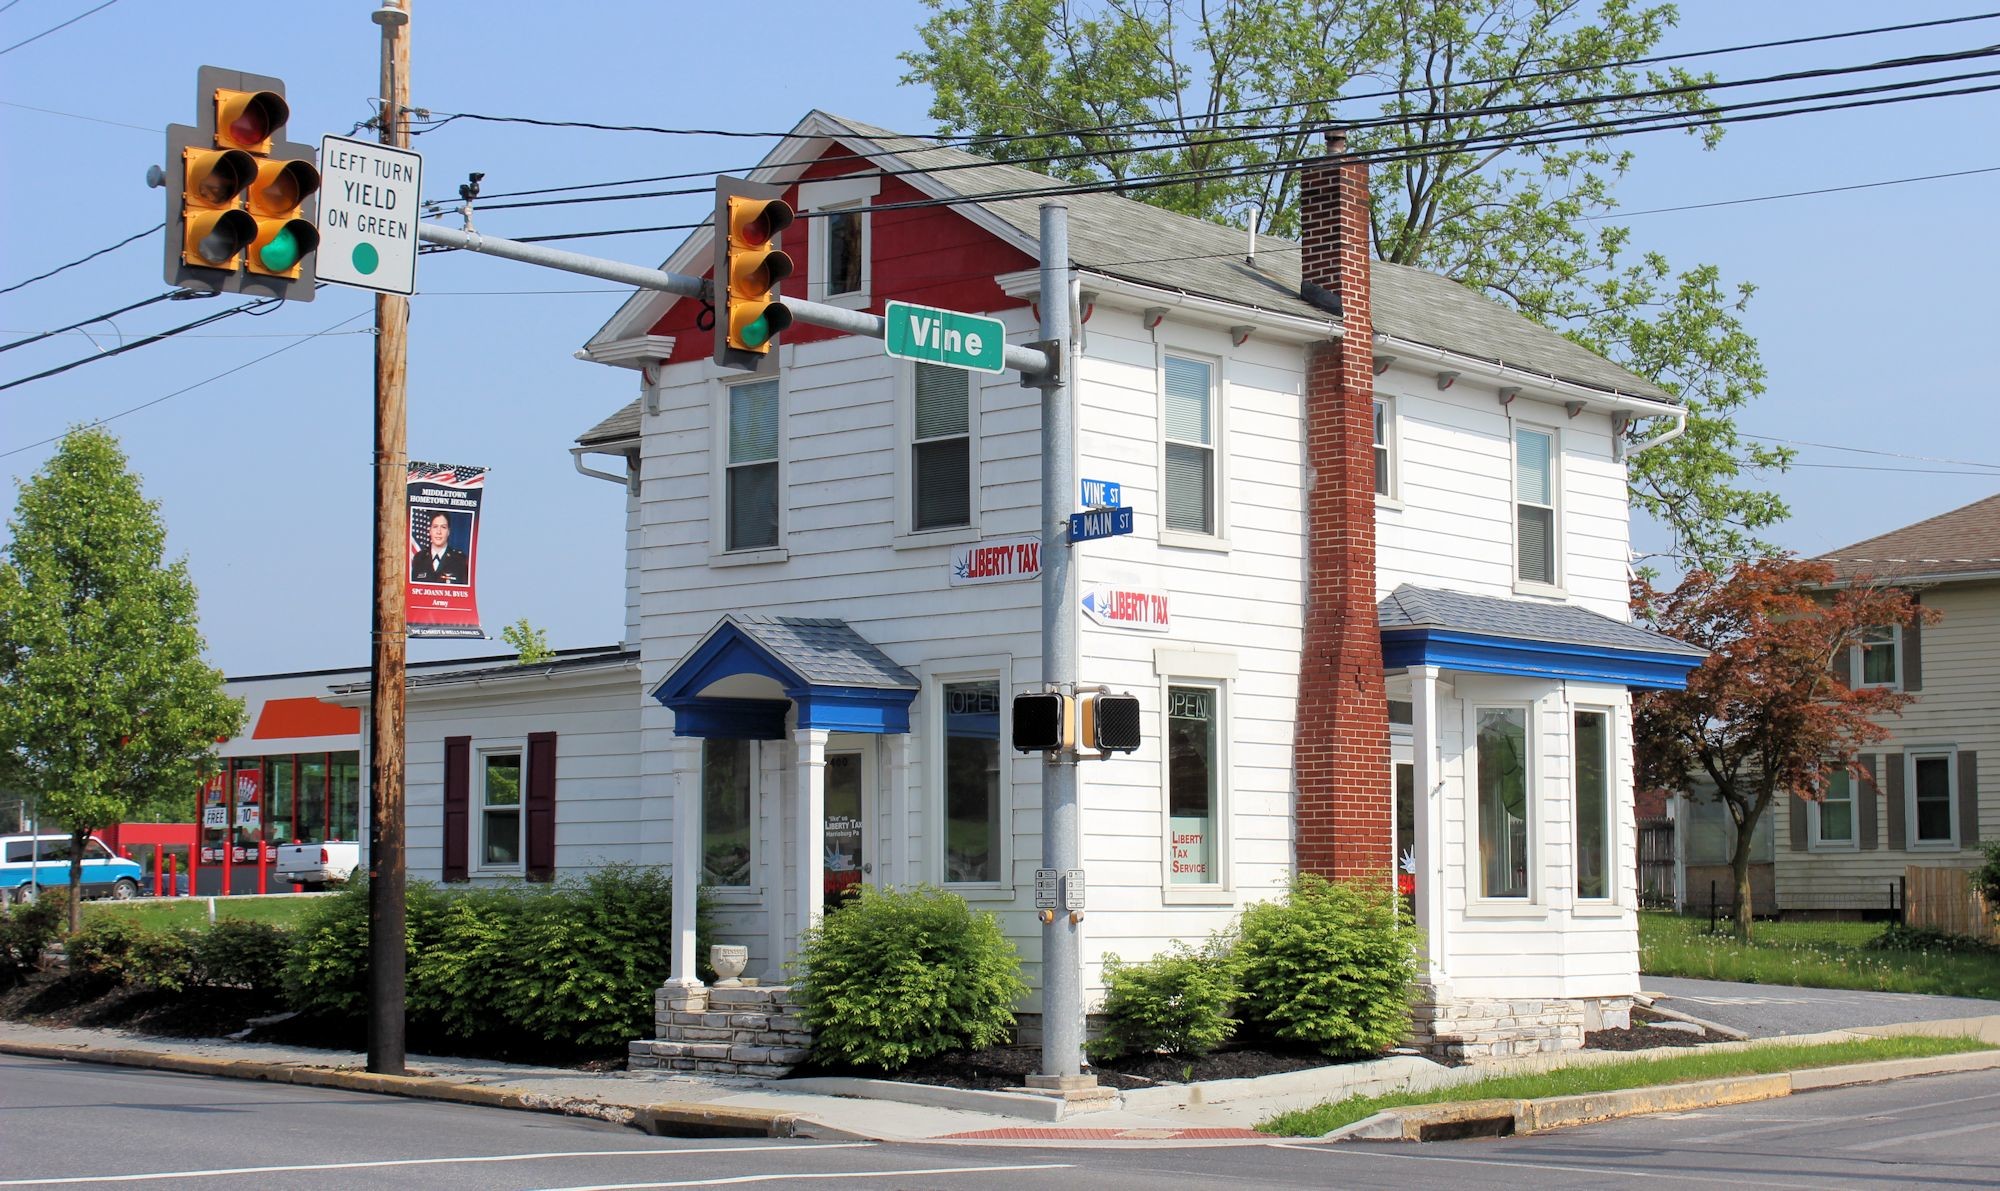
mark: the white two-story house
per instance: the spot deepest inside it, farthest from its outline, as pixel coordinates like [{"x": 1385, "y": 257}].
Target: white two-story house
[{"x": 1374, "y": 607}]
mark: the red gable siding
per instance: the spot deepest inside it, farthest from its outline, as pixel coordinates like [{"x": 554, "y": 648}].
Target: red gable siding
[{"x": 929, "y": 255}]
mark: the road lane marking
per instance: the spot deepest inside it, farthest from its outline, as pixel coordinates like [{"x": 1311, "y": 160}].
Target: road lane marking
[
  {"x": 1709, "y": 1139},
  {"x": 789, "y": 1176},
  {"x": 1616, "y": 1172},
  {"x": 155, "y": 1176},
  {"x": 1908, "y": 1138}
]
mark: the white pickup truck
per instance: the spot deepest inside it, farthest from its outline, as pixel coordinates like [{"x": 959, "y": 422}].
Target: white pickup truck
[{"x": 315, "y": 865}]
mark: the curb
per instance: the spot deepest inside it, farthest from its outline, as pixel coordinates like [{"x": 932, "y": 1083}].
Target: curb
[
  {"x": 669, "y": 1119},
  {"x": 1502, "y": 1118},
  {"x": 1003, "y": 1104}
]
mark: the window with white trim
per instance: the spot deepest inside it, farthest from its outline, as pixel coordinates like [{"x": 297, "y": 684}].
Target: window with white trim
[
  {"x": 1535, "y": 505},
  {"x": 974, "y": 815},
  {"x": 1832, "y": 817},
  {"x": 1878, "y": 656},
  {"x": 837, "y": 237},
  {"x": 1933, "y": 809},
  {"x": 940, "y": 448},
  {"x": 1190, "y": 480},
  {"x": 751, "y": 480},
  {"x": 501, "y": 822},
  {"x": 1385, "y": 458},
  {"x": 728, "y": 827},
  {"x": 1194, "y": 791},
  {"x": 1505, "y": 829},
  {"x": 1594, "y": 811},
  {"x": 843, "y": 229}
]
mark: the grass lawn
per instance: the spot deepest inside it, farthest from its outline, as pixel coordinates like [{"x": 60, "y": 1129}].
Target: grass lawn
[
  {"x": 1636, "y": 1073},
  {"x": 167, "y": 913},
  {"x": 1811, "y": 955}
]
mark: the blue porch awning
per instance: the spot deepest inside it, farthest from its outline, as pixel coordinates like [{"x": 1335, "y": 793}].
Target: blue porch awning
[
  {"x": 1423, "y": 626},
  {"x": 742, "y": 677}
]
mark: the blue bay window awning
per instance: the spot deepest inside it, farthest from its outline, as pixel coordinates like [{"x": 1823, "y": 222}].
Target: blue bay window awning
[
  {"x": 739, "y": 681},
  {"x": 1423, "y": 626}
]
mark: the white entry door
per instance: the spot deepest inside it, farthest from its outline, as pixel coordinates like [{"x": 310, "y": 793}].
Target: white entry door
[{"x": 850, "y": 783}]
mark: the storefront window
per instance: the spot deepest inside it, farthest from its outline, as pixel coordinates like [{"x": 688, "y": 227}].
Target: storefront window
[
  {"x": 343, "y": 820},
  {"x": 1503, "y": 801},
  {"x": 1191, "y": 785},
  {"x": 726, "y": 776},
  {"x": 972, "y": 781},
  {"x": 281, "y": 786}
]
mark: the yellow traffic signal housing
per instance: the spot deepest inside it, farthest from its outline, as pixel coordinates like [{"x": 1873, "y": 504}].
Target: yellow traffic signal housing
[
  {"x": 214, "y": 230},
  {"x": 749, "y": 268},
  {"x": 284, "y": 237},
  {"x": 239, "y": 197},
  {"x": 248, "y": 120}
]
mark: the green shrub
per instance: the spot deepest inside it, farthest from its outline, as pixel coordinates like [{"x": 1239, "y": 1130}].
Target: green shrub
[
  {"x": 326, "y": 964},
  {"x": 1178, "y": 1002},
  {"x": 131, "y": 955},
  {"x": 238, "y": 953},
  {"x": 899, "y": 976},
  {"x": 1986, "y": 878},
  {"x": 1897, "y": 937},
  {"x": 26, "y": 932},
  {"x": 1332, "y": 966}
]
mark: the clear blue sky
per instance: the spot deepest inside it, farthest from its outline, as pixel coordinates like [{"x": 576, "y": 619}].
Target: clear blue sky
[{"x": 1875, "y": 307}]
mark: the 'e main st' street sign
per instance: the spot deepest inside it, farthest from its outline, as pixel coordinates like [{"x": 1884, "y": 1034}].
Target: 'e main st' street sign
[{"x": 970, "y": 341}]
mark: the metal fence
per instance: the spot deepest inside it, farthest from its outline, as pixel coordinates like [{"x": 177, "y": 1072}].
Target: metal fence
[
  {"x": 1657, "y": 889},
  {"x": 1883, "y": 901}
]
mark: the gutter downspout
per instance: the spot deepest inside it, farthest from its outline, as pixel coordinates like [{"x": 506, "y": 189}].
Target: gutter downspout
[
  {"x": 629, "y": 481},
  {"x": 1666, "y": 436}
]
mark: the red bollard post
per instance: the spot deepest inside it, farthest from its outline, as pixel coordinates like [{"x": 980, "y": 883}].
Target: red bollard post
[
  {"x": 159, "y": 870},
  {"x": 174, "y": 873},
  {"x": 263, "y": 867},
  {"x": 228, "y": 862}
]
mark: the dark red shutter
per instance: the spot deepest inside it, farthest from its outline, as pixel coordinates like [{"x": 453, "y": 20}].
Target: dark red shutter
[
  {"x": 541, "y": 806},
  {"x": 457, "y": 795}
]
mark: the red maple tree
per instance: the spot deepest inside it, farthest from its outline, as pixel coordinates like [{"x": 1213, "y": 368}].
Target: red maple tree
[{"x": 1766, "y": 712}]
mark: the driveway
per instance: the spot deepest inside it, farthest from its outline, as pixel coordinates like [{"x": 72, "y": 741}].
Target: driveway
[{"x": 1768, "y": 1010}]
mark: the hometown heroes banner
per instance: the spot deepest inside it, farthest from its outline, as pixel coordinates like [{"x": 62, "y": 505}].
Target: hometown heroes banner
[{"x": 444, "y": 549}]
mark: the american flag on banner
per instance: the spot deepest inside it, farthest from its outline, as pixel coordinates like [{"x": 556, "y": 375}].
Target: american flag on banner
[{"x": 445, "y": 502}]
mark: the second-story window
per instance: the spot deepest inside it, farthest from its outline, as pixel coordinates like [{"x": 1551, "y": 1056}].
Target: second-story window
[
  {"x": 751, "y": 485},
  {"x": 1875, "y": 658},
  {"x": 1189, "y": 505},
  {"x": 843, "y": 251},
  {"x": 1534, "y": 505},
  {"x": 940, "y": 448},
  {"x": 1385, "y": 460}
]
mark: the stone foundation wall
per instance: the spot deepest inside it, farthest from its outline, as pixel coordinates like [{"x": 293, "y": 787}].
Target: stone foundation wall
[
  {"x": 1500, "y": 1028},
  {"x": 724, "y": 1031}
]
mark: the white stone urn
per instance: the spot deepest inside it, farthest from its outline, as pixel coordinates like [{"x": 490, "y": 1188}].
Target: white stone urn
[{"x": 728, "y": 960}]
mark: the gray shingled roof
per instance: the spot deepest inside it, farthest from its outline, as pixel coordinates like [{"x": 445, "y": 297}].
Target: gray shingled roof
[
  {"x": 570, "y": 660},
  {"x": 1412, "y": 607},
  {"x": 1122, "y": 238},
  {"x": 824, "y": 651},
  {"x": 1962, "y": 542}
]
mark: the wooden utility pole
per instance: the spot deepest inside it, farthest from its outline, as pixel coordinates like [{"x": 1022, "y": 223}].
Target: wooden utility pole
[{"x": 386, "y": 949}]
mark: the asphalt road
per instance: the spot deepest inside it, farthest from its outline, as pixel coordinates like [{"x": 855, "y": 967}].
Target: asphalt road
[
  {"x": 76, "y": 1125},
  {"x": 1768, "y": 1010}
]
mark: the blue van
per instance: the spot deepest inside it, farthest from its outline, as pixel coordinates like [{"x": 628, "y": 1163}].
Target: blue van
[{"x": 30, "y": 863}]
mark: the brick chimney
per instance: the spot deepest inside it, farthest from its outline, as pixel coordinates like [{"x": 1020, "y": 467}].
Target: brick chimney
[{"x": 1345, "y": 804}]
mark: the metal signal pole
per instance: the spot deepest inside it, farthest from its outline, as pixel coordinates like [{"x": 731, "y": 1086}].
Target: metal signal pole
[{"x": 386, "y": 949}]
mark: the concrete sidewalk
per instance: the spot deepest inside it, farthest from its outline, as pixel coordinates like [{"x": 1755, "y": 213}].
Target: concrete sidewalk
[{"x": 1218, "y": 1112}]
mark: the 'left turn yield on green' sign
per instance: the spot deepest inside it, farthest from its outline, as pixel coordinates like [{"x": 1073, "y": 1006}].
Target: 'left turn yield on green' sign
[
  {"x": 935, "y": 336},
  {"x": 368, "y": 214}
]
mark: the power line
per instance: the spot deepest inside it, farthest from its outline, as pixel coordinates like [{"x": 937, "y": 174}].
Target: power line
[
  {"x": 1765, "y": 198},
  {"x": 1914, "y": 471},
  {"x": 1827, "y": 446},
  {"x": 26, "y": 107},
  {"x": 261, "y": 304},
  {"x": 82, "y": 259},
  {"x": 196, "y": 385},
  {"x": 38, "y": 337},
  {"x": 66, "y": 24}
]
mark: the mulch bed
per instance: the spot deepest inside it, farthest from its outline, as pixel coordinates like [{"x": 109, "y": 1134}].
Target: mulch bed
[{"x": 1643, "y": 1035}]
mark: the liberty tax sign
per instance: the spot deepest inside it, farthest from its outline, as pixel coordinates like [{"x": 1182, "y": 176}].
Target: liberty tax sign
[
  {"x": 1128, "y": 608},
  {"x": 1002, "y": 560},
  {"x": 368, "y": 215}
]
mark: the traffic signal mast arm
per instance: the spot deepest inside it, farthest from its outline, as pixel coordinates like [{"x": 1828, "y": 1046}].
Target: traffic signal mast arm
[{"x": 1029, "y": 361}]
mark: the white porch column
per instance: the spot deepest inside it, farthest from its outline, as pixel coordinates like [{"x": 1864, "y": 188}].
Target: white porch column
[
  {"x": 809, "y": 775},
  {"x": 899, "y": 789},
  {"x": 1426, "y": 782},
  {"x": 686, "y": 753}
]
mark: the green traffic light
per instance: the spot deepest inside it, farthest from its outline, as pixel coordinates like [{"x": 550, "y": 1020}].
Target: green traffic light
[
  {"x": 756, "y": 332},
  {"x": 281, "y": 253}
]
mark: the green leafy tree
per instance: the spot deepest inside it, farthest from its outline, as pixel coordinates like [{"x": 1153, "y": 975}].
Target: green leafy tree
[
  {"x": 528, "y": 641},
  {"x": 1231, "y": 93},
  {"x": 106, "y": 707}
]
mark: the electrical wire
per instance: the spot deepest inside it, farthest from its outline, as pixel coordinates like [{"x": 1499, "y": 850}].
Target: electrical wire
[
  {"x": 26, "y": 107},
  {"x": 111, "y": 314},
  {"x": 257, "y": 307},
  {"x": 83, "y": 259},
  {"x": 1827, "y": 446},
  {"x": 66, "y": 24},
  {"x": 191, "y": 388}
]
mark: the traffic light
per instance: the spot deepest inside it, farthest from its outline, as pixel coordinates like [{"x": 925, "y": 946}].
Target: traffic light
[
  {"x": 749, "y": 267},
  {"x": 1042, "y": 722},
  {"x": 239, "y": 197},
  {"x": 1109, "y": 723}
]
